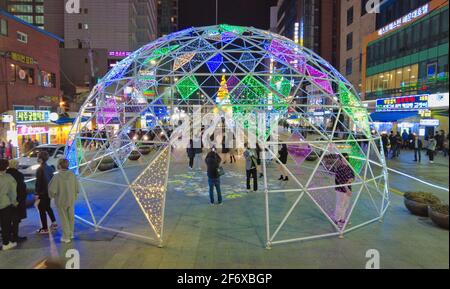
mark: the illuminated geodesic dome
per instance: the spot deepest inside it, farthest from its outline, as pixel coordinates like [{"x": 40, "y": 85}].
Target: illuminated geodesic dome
[{"x": 233, "y": 71}]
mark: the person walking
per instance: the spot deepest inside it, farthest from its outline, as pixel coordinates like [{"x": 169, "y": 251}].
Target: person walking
[
  {"x": 20, "y": 212},
  {"x": 198, "y": 157},
  {"x": 393, "y": 142},
  {"x": 8, "y": 202},
  {"x": 191, "y": 154},
  {"x": 64, "y": 188},
  {"x": 9, "y": 150},
  {"x": 405, "y": 137},
  {"x": 418, "y": 145},
  {"x": 343, "y": 179},
  {"x": 2, "y": 150},
  {"x": 213, "y": 162},
  {"x": 44, "y": 175},
  {"x": 283, "y": 157},
  {"x": 258, "y": 160},
  {"x": 250, "y": 167},
  {"x": 431, "y": 148},
  {"x": 225, "y": 151},
  {"x": 386, "y": 145}
]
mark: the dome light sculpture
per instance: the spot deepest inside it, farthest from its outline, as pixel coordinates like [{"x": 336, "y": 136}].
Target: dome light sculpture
[{"x": 237, "y": 71}]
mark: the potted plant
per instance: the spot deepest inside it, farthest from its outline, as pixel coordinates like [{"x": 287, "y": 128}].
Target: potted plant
[
  {"x": 145, "y": 150},
  {"x": 106, "y": 164},
  {"x": 439, "y": 215},
  {"x": 417, "y": 202},
  {"x": 134, "y": 156}
]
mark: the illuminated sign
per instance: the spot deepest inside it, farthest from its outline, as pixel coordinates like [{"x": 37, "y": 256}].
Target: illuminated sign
[
  {"x": 429, "y": 122},
  {"x": 7, "y": 118},
  {"x": 32, "y": 116},
  {"x": 438, "y": 100},
  {"x": 22, "y": 58},
  {"x": 29, "y": 130},
  {"x": 403, "y": 103},
  {"x": 405, "y": 19},
  {"x": 119, "y": 53}
]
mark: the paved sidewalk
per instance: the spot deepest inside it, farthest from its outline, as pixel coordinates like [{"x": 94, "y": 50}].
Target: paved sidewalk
[{"x": 233, "y": 235}]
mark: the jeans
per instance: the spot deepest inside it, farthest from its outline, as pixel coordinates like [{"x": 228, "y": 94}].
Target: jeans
[
  {"x": 342, "y": 204},
  {"x": 214, "y": 183},
  {"x": 252, "y": 174},
  {"x": 417, "y": 155},
  {"x": 6, "y": 217},
  {"x": 431, "y": 155},
  {"x": 191, "y": 163},
  {"x": 44, "y": 209}
]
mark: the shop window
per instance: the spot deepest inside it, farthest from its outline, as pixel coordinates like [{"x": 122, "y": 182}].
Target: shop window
[
  {"x": 24, "y": 74},
  {"x": 47, "y": 79},
  {"x": 3, "y": 27},
  {"x": 431, "y": 70}
]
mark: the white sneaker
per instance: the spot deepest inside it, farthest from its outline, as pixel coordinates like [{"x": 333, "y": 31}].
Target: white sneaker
[
  {"x": 67, "y": 241},
  {"x": 10, "y": 246}
]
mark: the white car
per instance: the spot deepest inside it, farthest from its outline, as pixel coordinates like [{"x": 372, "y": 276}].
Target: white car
[{"x": 28, "y": 164}]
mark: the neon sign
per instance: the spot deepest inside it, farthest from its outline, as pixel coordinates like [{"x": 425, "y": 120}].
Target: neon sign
[
  {"x": 419, "y": 12},
  {"x": 404, "y": 103},
  {"x": 29, "y": 130},
  {"x": 32, "y": 116},
  {"x": 119, "y": 53}
]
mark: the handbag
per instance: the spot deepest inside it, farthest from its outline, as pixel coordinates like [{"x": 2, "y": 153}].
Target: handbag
[{"x": 220, "y": 171}]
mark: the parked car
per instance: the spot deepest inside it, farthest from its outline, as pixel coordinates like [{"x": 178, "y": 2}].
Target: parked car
[{"x": 28, "y": 164}]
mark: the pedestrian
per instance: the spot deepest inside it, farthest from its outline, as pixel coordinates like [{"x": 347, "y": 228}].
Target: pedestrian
[
  {"x": 282, "y": 158},
  {"x": 64, "y": 188},
  {"x": 386, "y": 144},
  {"x": 2, "y": 150},
  {"x": 225, "y": 151},
  {"x": 8, "y": 202},
  {"x": 446, "y": 146},
  {"x": 258, "y": 160},
  {"x": 250, "y": 167},
  {"x": 20, "y": 212},
  {"x": 399, "y": 141},
  {"x": 431, "y": 148},
  {"x": 405, "y": 138},
  {"x": 213, "y": 162},
  {"x": 343, "y": 179},
  {"x": 418, "y": 145},
  {"x": 198, "y": 157},
  {"x": 393, "y": 142},
  {"x": 233, "y": 155},
  {"x": 9, "y": 151},
  {"x": 44, "y": 175},
  {"x": 191, "y": 154}
]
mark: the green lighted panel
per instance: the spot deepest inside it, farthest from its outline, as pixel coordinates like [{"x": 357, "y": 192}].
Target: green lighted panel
[
  {"x": 352, "y": 106},
  {"x": 187, "y": 86}
]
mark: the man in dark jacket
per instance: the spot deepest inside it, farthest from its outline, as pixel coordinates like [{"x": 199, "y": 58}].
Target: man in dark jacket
[
  {"x": 44, "y": 175},
  {"x": 191, "y": 154},
  {"x": 213, "y": 161},
  {"x": 20, "y": 212}
]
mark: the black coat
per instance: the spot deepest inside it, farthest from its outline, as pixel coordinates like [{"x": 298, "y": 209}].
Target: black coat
[
  {"x": 283, "y": 155},
  {"x": 213, "y": 161},
  {"x": 21, "y": 192}
]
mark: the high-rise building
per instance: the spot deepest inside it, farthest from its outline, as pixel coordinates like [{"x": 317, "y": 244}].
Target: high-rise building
[
  {"x": 315, "y": 23},
  {"x": 405, "y": 66},
  {"x": 356, "y": 23},
  {"x": 167, "y": 17},
  {"x": 31, "y": 11}
]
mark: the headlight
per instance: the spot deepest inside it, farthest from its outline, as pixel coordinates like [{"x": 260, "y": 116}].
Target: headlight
[{"x": 35, "y": 167}]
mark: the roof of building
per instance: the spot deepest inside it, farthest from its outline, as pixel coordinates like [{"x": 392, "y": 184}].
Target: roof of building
[{"x": 6, "y": 14}]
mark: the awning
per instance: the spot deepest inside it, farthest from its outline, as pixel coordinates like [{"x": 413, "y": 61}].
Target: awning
[
  {"x": 67, "y": 120},
  {"x": 393, "y": 116}
]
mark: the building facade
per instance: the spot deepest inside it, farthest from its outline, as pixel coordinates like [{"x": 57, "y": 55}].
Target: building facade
[
  {"x": 356, "y": 23},
  {"x": 31, "y": 11},
  {"x": 314, "y": 24},
  {"x": 29, "y": 80},
  {"x": 405, "y": 65},
  {"x": 167, "y": 17}
]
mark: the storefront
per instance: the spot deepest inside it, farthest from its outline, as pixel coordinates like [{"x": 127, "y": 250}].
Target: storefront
[
  {"x": 420, "y": 114},
  {"x": 41, "y": 126}
]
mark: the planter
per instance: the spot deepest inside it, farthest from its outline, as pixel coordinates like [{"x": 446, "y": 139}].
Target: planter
[
  {"x": 145, "y": 150},
  {"x": 312, "y": 157},
  {"x": 439, "y": 216},
  {"x": 106, "y": 165},
  {"x": 418, "y": 203},
  {"x": 134, "y": 156},
  {"x": 416, "y": 208}
]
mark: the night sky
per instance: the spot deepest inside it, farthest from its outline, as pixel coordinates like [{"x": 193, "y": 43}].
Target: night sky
[{"x": 234, "y": 12}]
